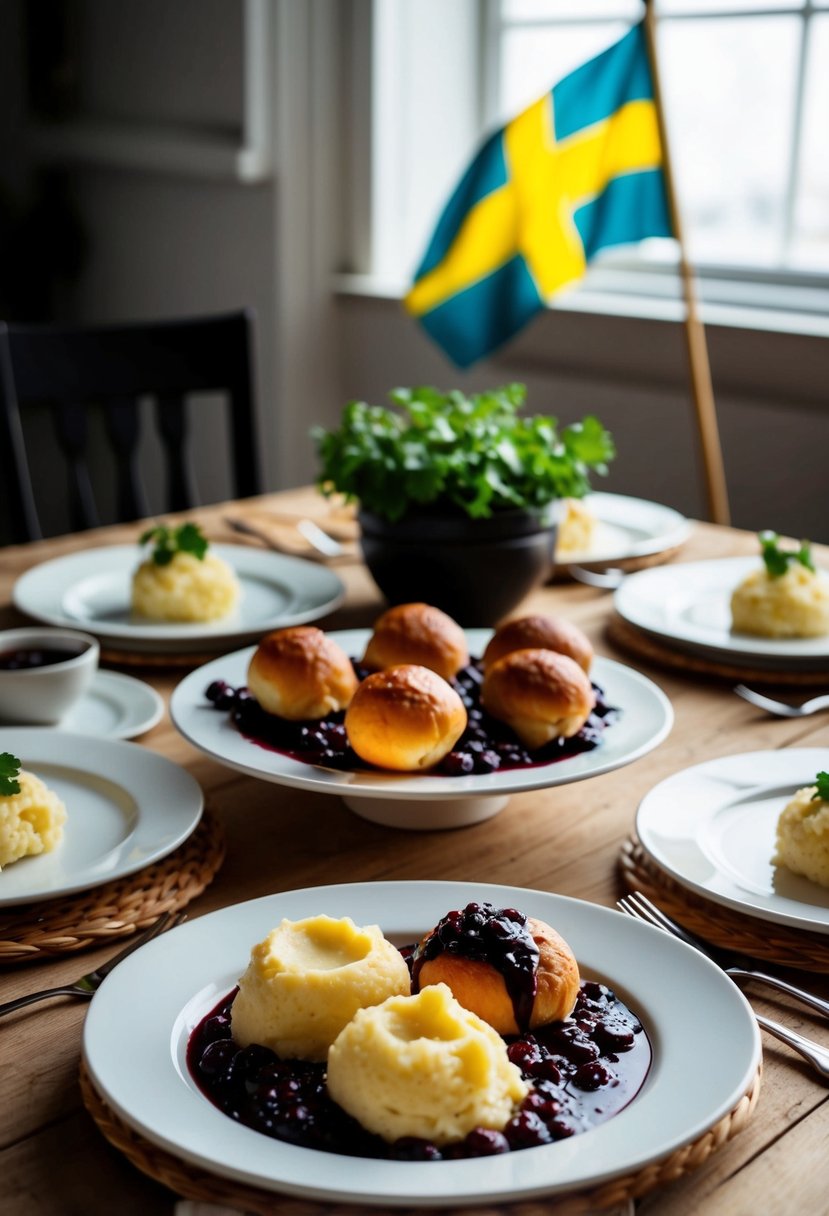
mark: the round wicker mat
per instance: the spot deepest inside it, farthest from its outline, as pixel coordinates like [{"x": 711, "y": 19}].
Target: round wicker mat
[
  {"x": 652, "y": 650},
  {"x": 719, "y": 925},
  {"x": 140, "y": 658},
  {"x": 115, "y": 909},
  {"x": 192, "y": 1182}
]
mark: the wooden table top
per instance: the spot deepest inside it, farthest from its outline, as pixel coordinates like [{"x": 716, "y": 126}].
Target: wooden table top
[{"x": 53, "y": 1159}]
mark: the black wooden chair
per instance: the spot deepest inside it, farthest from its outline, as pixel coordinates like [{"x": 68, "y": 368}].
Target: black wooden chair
[{"x": 111, "y": 368}]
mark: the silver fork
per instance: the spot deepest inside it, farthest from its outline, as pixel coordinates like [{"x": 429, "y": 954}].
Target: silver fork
[
  {"x": 780, "y": 708},
  {"x": 89, "y": 984},
  {"x": 640, "y": 908}
]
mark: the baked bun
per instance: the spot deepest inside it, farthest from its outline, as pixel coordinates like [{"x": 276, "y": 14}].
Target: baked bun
[
  {"x": 540, "y": 633},
  {"x": 513, "y": 971},
  {"x": 417, "y": 633},
  {"x": 541, "y": 694},
  {"x": 299, "y": 673},
  {"x": 406, "y": 718}
]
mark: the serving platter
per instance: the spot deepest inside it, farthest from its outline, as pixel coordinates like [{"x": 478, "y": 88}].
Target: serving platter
[
  {"x": 712, "y": 828},
  {"x": 422, "y": 800},
  {"x": 90, "y": 590},
  {"x": 627, "y": 528},
  {"x": 126, "y": 807},
  {"x": 135, "y": 1050},
  {"x": 687, "y": 605}
]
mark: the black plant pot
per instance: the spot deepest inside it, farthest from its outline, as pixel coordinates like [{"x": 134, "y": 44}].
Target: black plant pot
[{"x": 477, "y": 570}]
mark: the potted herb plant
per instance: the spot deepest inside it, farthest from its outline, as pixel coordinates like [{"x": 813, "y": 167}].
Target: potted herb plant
[{"x": 458, "y": 495}]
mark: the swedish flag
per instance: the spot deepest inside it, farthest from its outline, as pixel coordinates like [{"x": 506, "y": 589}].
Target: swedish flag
[{"x": 574, "y": 173}]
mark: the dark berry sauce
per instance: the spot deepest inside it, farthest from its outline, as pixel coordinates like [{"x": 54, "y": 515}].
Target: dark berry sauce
[
  {"x": 581, "y": 1071},
  {"x": 485, "y": 746},
  {"x": 34, "y": 656},
  {"x": 498, "y": 936}
]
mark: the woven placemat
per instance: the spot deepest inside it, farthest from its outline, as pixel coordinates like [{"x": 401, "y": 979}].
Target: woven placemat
[
  {"x": 652, "y": 650},
  {"x": 140, "y": 658},
  {"x": 115, "y": 909},
  {"x": 192, "y": 1182},
  {"x": 719, "y": 925}
]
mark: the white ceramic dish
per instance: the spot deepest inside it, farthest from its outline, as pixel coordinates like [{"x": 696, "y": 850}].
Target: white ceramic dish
[
  {"x": 126, "y": 807},
  {"x": 422, "y": 801},
  {"x": 114, "y": 706},
  {"x": 627, "y": 528},
  {"x": 705, "y": 1042},
  {"x": 42, "y": 695},
  {"x": 712, "y": 828},
  {"x": 90, "y": 590},
  {"x": 688, "y": 605}
]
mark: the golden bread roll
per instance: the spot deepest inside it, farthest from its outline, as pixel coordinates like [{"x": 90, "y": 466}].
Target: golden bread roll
[
  {"x": 406, "y": 718},
  {"x": 541, "y": 694},
  {"x": 299, "y": 673},
  {"x": 420, "y": 634},
  {"x": 483, "y": 987},
  {"x": 540, "y": 633}
]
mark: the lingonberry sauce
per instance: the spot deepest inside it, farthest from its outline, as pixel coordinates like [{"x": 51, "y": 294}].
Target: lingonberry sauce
[
  {"x": 34, "y": 656},
  {"x": 498, "y": 936},
  {"x": 581, "y": 1071},
  {"x": 486, "y": 745}
]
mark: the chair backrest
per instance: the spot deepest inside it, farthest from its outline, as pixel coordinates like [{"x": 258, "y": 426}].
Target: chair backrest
[{"x": 113, "y": 367}]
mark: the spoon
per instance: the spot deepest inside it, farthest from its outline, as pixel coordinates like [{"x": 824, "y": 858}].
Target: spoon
[{"x": 780, "y": 708}]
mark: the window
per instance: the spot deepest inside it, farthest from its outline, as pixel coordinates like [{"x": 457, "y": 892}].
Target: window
[{"x": 746, "y": 92}]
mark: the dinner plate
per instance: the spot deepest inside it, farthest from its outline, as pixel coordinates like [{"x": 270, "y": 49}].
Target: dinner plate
[
  {"x": 90, "y": 590},
  {"x": 712, "y": 827},
  {"x": 645, "y": 719},
  {"x": 704, "y": 1038},
  {"x": 627, "y": 528},
  {"x": 688, "y": 605},
  {"x": 114, "y": 706},
  {"x": 125, "y": 808}
]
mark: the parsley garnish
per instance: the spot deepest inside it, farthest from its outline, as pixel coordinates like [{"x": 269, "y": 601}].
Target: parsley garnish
[
  {"x": 822, "y": 791},
  {"x": 9, "y": 771},
  {"x": 474, "y": 452},
  {"x": 168, "y": 541},
  {"x": 778, "y": 560}
]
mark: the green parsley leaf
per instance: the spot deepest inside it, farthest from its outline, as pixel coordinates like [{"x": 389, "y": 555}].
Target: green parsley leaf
[
  {"x": 187, "y": 538},
  {"x": 472, "y": 452},
  {"x": 9, "y": 771},
  {"x": 822, "y": 791},
  {"x": 778, "y": 560}
]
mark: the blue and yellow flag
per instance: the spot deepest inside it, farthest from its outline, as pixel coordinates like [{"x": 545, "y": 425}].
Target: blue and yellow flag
[{"x": 574, "y": 173}]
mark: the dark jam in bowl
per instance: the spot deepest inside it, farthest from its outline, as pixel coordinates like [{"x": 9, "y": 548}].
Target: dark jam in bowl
[
  {"x": 34, "y": 656},
  {"x": 486, "y": 745},
  {"x": 581, "y": 1071}
]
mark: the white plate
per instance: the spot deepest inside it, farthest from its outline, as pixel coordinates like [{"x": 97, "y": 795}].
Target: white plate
[
  {"x": 712, "y": 828},
  {"x": 688, "y": 605},
  {"x": 704, "y": 1038},
  {"x": 125, "y": 808},
  {"x": 628, "y": 528},
  {"x": 90, "y": 590},
  {"x": 645, "y": 720},
  {"x": 114, "y": 706}
]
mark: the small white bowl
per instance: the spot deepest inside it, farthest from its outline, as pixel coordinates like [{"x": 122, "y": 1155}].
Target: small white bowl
[{"x": 40, "y": 696}]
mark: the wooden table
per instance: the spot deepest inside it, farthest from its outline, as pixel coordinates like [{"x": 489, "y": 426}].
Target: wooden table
[{"x": 54, "y": 1161}]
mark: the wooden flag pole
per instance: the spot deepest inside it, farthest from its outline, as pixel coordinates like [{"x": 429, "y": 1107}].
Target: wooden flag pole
[{"x": 699, "y": 367}]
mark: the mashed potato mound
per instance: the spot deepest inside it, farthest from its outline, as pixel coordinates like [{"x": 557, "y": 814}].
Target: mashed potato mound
[
  {"x": 576, "y": 529},
  {"x": 188, "y": 588},
  {"x": 308, "y": 978},
  {"x": 423, "y": 1066},
  {"x": 31, "y": 821},
  {"x": 792, "y": 605},
  {"x": 803, "y": 836}
]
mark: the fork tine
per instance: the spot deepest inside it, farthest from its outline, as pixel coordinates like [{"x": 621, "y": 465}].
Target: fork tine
[
  {"x": 660, "y": 918},
  {"x": 628, "y": 904},
  {"x": 159, "y": 926}
]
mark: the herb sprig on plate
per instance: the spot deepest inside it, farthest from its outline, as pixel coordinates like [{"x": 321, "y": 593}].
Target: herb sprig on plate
[
  {"x": 474, "y": 452},
  {"x": 9, "y": 772},
  {"x": 778, "y": 560},
  {"x": 822, "y": 792},
  {"x": 167, "y": 542}
]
